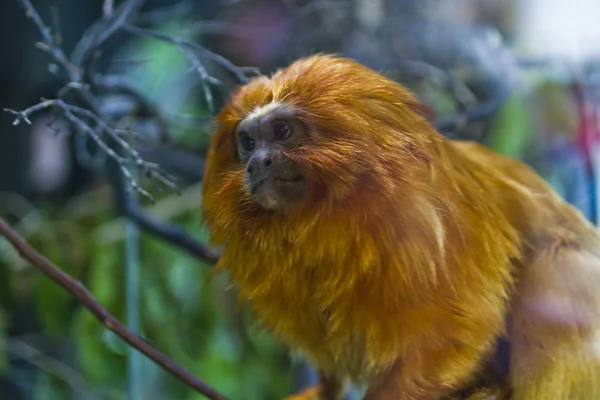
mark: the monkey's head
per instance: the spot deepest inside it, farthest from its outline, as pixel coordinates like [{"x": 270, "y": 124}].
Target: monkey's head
[
  {"x": 263, "y": 140},
  {"x": 310, "y": 137}
]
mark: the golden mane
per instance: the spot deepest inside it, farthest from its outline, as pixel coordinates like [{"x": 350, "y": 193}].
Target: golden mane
[{"x": 399, "y": 228}]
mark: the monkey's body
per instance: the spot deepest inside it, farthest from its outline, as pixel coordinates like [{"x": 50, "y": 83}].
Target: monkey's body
[{"x": 410, "y": 255}]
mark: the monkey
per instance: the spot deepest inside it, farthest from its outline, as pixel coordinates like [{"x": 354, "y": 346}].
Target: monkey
[{"x": 390, "y": 256}]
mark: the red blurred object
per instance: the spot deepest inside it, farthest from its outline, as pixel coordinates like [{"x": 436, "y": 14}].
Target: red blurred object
[
  {"x": 258, "y": 33},
  {"x": 588, "y": 132}
]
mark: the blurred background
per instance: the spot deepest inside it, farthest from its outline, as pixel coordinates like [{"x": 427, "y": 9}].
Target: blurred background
[{"x": 521, "y": 76}]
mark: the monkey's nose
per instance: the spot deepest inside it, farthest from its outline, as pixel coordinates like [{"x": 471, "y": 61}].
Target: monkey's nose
[{"x": 259, "y": 164}]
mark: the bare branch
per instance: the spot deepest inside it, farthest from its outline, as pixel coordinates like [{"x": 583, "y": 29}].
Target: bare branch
[
  {"x": 166, "y": 13},
  {"x": 107, "y": 7},
  {"x": 77, "y": 289},
  {"x": 23, "y": 116},
  {"x": 204, "y": 77},
  {"x": 49, "y": 46},
  {"x": 97, "y": 34},
  {"x": 58, "y": 38},
  {"x": 238, "y": 72},
  {"x": 74, "y": 115},
  {"x": 73, "y": 85},
  {"x": 473, "y": 113},
  {"x": 170, "y": 233},
  {"x": 120, "y": 83},
  {"x": 56, "y": 52},
  {"x": 442, "y": 78}
]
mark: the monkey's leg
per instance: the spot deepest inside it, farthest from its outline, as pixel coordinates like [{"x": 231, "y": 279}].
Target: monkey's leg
[
  {"x": 429, "y": 374},
  {"x": 329, "y": 388},
  {"x": 484, "y": 394},
  {"x": 556, "y": 327},
  {"x": 491, "y": 391}
]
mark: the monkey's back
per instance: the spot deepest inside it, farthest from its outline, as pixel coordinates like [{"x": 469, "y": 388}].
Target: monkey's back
[
  {"x": 530, "y": 203},
  {"x": 553, "y": 325}
]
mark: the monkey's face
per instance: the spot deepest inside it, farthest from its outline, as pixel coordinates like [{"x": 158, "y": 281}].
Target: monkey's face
[{"x": 263, "y": 140}]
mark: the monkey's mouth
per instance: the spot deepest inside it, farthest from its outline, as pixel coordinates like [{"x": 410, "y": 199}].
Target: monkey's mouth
[
  {"x": 283, "y": 179},
  {"x": 275, "y": 181},
  {"x": 273, "y": 192}
]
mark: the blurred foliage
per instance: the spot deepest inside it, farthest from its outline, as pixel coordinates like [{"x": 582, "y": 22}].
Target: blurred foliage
[
  {"x": 186, "y": 311},
  {"x": 510, "y": 133}
]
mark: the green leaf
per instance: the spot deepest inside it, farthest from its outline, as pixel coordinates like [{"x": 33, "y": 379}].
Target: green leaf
[
  {"x": 511, "y": 130},
  {"x": 53, "y": 305},
  {"x": 101, "y": 363}
]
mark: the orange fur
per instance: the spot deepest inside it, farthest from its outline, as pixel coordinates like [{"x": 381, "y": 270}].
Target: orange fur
[{"x": 404, "y": 264}]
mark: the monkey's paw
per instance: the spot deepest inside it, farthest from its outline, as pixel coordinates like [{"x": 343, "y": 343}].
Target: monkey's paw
[{"x": 310, "y": 393}]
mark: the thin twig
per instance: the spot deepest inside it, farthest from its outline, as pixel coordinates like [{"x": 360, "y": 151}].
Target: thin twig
[
  {"x": 97, "y": 34},
  {"x": 441, "y": 78},
  {"x": 79, "y": 291},
  {"x": 238, "y": 72},
  {"x": 204, "y": 77},
  {"x": 120, "y": 83},
  {"x": 53, "y": 49},
  {"x": 474, "y": 113},
  {"x": 171, "y": 233},
  {"x": 221, "y": 28},
  {"x": 73, "y": 114},
  {"x": 58, "y": 37},
  {"x": 107, "y": 7},
  {"x": 49, "y": 46},
  {"x": 167, "y": 13}
]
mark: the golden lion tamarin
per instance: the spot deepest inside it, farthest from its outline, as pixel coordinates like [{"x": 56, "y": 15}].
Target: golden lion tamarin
[{"x": 391, "y": 256}]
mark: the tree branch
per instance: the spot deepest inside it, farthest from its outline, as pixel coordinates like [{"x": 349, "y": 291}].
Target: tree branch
[
  {"x": 108, "y": 320},
  {"x": 171, "y": 233},
  {"x": 76, "y": 115},
  {"x": 107, "y": 7},
  {"x": 473, "y": 113},
  {"x": 50, "y": 46},
  {"x": 189, "y": 48},
  {"x": 97, "y": 34}
]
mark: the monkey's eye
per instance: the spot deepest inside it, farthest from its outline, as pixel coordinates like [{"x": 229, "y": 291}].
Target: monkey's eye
[
  {"x": 282, "y": 130},
  {"x": 247, "y": 142}
]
